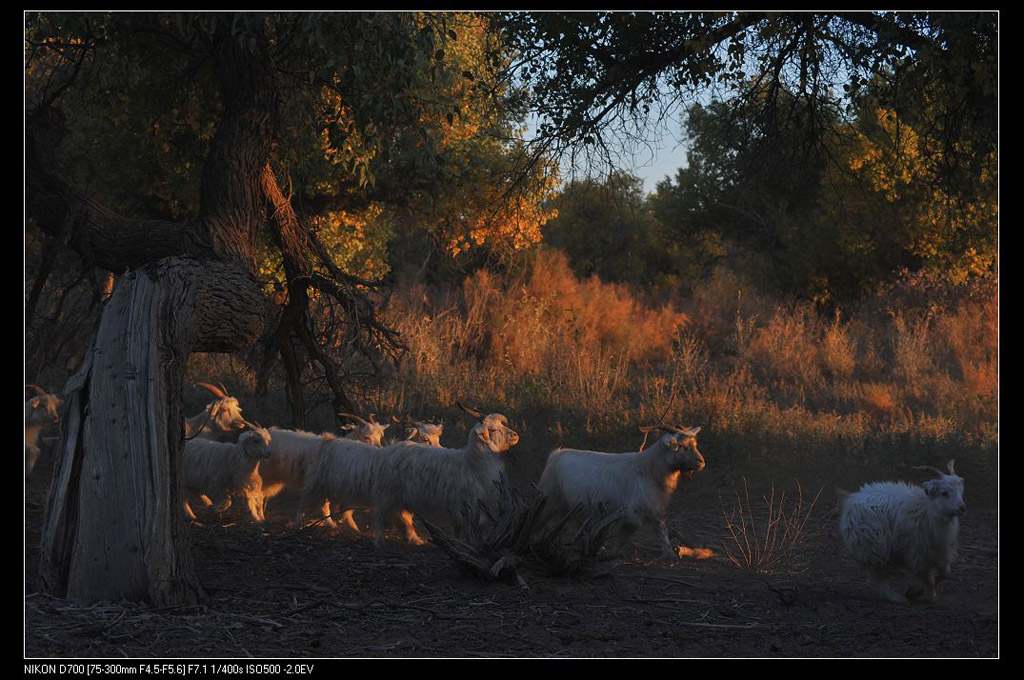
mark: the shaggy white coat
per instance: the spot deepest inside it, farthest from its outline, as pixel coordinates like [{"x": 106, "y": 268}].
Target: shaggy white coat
[
  {"x": 291, "y": 454},
  {"x": 221, "y": 416},
  {"x": 344, "y": 475},
  {"x": 222, "y": 470},
  {"x": 294, "y": 451},
  {"x": 435, "y": 483},
  {"x": 893, "y": 527},
  {"x": 641, "y": 484}
]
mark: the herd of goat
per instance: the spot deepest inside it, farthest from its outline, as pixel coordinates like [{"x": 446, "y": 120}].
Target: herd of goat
[{"x": 889, "y": 528}]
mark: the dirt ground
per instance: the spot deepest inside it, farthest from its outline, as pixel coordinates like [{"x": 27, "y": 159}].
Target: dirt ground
[{"x": 278, "y": 593}]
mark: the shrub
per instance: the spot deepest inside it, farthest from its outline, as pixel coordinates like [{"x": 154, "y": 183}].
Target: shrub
[{"x": 765, "y": 542}]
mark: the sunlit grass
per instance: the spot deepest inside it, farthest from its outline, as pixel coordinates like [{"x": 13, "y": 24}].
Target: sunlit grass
[{"x": 913, "y": 369}]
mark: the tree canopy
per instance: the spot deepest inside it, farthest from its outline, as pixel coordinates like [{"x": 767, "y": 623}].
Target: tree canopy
[
  {"x": 834, "y": 148},
  {"x": 390, "y": 127}
]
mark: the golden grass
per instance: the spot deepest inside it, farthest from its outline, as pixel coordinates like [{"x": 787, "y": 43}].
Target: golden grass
[{"x": 915, "y": 364}]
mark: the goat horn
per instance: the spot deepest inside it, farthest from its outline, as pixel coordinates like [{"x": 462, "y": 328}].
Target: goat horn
[
  {"x": 473, "y": 412},
  {"x": 407, "y": 421},
  {"x": 929, "y": 468},
  {"x": 37, "y": 389},
  {"x": 253, "y": 425},
  {"x": 224, "y": 389},
  {"x": 353, "y": 417},
  {"x": 951, "y": 470},
  {"x": 212, "y": 388}
]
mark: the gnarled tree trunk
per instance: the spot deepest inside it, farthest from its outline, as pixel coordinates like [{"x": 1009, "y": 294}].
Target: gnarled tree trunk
[{"x": 113, "y": 528}]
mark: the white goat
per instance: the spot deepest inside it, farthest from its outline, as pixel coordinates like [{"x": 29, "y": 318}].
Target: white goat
[
  {"x": 640, "y": 484},
  {"x": 435, "y": 483},
  {"x": 40, "y": 411},
  {"x": 344, "y": 475},
  {"x": 293, "y": 451},
  {"x": 417, "y": 433},
  {"x": 367, "y": 431},
  {"x": 421, "y": 432},
  {"x": 223, "y": 470},
  {"x": 894, "y": 527},
  {"x": 221, "y": 416}
]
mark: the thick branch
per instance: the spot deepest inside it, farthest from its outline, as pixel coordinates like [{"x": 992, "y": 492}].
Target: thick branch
[
  {"x": 627, "y": 76},
  {"x": 98, "y": 234}
]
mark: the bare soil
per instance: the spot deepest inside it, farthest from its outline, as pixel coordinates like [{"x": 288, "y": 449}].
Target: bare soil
[{"x": 278, "y": 593}]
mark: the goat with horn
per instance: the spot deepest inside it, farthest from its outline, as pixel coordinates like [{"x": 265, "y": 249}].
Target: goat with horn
[{"x": 891, "y": 528}]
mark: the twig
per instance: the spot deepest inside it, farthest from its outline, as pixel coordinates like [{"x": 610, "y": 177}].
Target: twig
[
  {"x": 665, "y": 600},
  {"x": 716, "y": 625},
  {"x": 674, "y": 580},
  {"x": 254, "y": 619}
]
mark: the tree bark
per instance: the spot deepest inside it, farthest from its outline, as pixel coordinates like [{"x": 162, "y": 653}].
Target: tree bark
[
  {"x": 114, "y": 528},
  {"x": 114, "y": 525}
]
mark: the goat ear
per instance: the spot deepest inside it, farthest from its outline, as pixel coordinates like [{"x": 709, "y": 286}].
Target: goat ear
[
  {"x": 34, "y": 401},
  {"x": 930, "y": 487},
  {"x": 482, "y": 433}
]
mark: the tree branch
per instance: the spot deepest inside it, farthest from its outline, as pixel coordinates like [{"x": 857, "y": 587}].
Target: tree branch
[{"x": 100, "y": 235}]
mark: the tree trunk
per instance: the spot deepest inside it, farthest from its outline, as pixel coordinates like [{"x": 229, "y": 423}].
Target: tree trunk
[
  {"x": 114, "y": 525},
  {"x": 113, "y": 528}
]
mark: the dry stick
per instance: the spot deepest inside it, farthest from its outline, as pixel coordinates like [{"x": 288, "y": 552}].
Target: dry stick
[
  {"x": 672, "y": 580},
  {"x": 254, "y": 619},
  {"x": 390, "y": 605},
  {"x": 716, "y": 625},
  {"x": 305, "y": 528},
  {"x": 665, "y": 600},
  {"x": 311, "y": 605},
  {"x": 753, "y": 524}
]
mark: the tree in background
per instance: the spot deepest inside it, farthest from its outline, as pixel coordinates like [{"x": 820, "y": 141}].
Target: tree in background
[
  {"x": 605, "y": 229},
  {"x": 378, "y": 185},
  {"x": 788, "y": 126},
  {"x": 207, "y": 121}
]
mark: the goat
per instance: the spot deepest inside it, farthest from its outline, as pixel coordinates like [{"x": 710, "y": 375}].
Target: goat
[
  {"x": 421, "y": 432},
  {"x": 344, "y": 474},
  {"x": 894, "y": 527},
  {"x": 435, "y": 482},
  {"x": 40, "y": 411},
  {"x": 294, "y": 451},
  {"x": 366, "y": 431},
  {"x": 221, "y": 416},
  {"x": 640, "y": 484},
  {"x": 224, "y": 469}
]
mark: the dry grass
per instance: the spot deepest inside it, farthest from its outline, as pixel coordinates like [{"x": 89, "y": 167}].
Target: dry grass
[
  {"x": 543, "y": 338},
  {"x": 768, "y": 540},
  {"x": 912, "y": 371}
]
